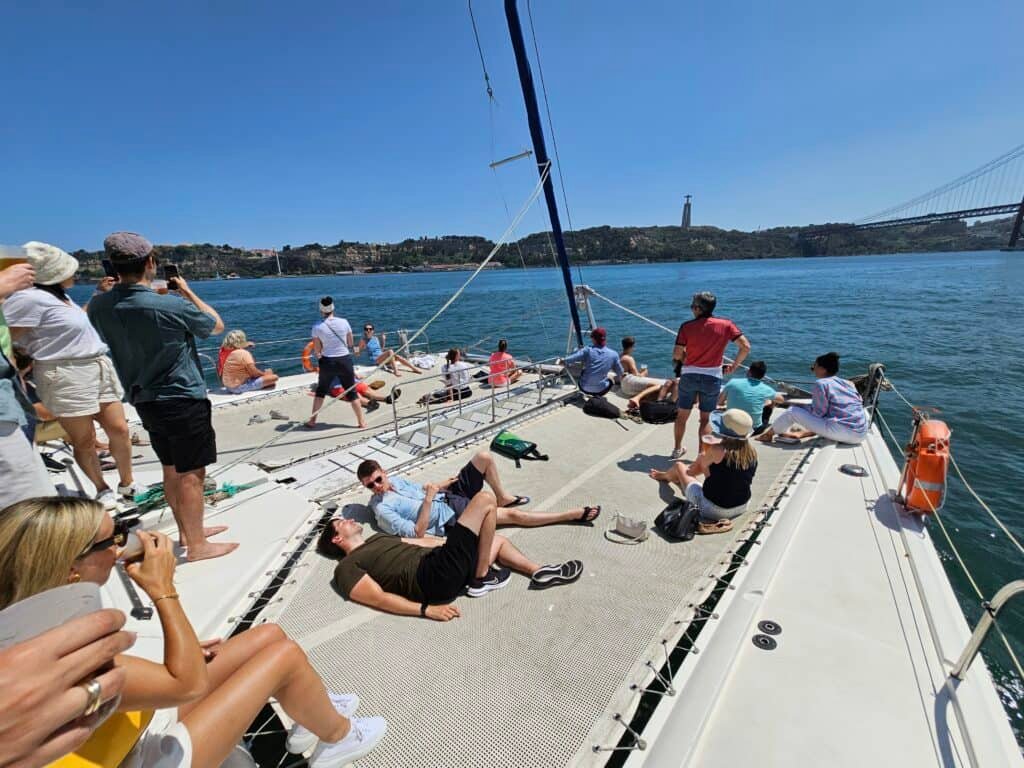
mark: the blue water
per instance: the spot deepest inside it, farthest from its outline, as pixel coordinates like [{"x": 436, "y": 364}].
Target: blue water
[{"x": 949, "y": 328}]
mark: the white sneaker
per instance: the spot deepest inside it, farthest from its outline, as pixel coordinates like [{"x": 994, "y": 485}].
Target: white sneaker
[
  {"x": 302, "y": 739},
  {"x": 366, "y": 734},
  {"x": 678, "y": 453},
  {"x": 107, "y": 499},
  {"x": 130, "y": 491}
]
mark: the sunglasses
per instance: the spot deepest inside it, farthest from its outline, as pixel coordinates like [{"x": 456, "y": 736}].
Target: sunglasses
[
  {"x": 119, "y": 537},
  {"x": 373, "y": 482},
  {"x": 368, "y": 328}
]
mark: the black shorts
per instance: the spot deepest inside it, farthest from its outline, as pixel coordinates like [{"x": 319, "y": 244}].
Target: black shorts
[
  {"x": 467, "y": 485},
  {"x": 446, "y": 570},
  {"x": 181, "y": 431},
  {"x": 340, "y": 367}
]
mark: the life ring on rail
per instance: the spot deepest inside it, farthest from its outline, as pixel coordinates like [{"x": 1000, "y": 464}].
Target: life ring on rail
[
  {"x": 927, "y": 466},
  {"x": 307, "y": 362}
]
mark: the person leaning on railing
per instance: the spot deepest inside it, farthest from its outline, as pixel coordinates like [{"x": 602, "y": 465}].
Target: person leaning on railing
[{"x": 191, "y": 708}]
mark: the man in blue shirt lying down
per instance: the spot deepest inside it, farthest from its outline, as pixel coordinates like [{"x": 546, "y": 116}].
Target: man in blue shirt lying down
[{"x": 405, "y": 508}]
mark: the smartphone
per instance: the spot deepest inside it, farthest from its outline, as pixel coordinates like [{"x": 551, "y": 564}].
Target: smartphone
[
  {"x": 108, "y": 269},
  {"x": 171, "y": 272}
]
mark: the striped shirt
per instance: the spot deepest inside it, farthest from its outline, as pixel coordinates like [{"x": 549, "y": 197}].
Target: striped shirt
[{"x": 836, "y": 399}]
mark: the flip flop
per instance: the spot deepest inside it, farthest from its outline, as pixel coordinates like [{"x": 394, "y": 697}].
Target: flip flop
[
  {"x": 587, "y": 511},
  {"x": 518, "y": 501},
  {"x": 708, "y": 527}
]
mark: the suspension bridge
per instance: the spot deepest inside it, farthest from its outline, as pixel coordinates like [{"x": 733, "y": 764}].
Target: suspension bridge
[{"x": 993, "y": 189}]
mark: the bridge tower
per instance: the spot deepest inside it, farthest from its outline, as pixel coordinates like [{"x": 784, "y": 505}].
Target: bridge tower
[
  {"x": 686, "y": 213},
  {"x": 1015, "y": 232}
]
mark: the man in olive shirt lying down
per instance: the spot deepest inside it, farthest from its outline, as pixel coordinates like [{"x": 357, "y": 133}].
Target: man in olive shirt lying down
[{"x": 421, "y": 577}]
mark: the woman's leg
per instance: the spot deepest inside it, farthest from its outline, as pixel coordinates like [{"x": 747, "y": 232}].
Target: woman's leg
[
  {"x": 323, "y": 387},
  {"x": 278, "y": 669},
  {"x": 83, "y": 441},
  {"x": 406, "y": 363},
  {"x": 269, "y": 378},
  {"x": 111, "y": 418},
  {"x": 347, "y": 373}
]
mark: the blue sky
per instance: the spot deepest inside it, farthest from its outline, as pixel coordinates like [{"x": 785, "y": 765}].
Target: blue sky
[{"x": 261, "y": 124}]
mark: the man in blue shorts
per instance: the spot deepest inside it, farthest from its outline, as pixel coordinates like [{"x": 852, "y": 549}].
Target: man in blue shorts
[{"x": 698, "y": 354}]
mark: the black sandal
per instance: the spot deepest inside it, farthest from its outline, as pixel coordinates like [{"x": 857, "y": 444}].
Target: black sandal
[
  {"x": 585, "y": 518},
  {"x": 518, "y": 501}
]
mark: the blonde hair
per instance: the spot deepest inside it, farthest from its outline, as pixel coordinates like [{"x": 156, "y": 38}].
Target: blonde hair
[
  {"x": 235, "y": 340},
  {"x": 739, "y": 452},
  {"x": 40, "y": 539}
]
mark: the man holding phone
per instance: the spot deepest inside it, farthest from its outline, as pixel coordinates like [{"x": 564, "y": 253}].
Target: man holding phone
[{"x": 152, "y": 340}]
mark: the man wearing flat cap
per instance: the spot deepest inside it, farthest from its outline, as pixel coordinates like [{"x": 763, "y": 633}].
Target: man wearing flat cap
[{"x": 152, "y": 340}]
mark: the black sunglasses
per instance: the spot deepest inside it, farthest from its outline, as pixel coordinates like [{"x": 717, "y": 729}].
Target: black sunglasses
[
  {"x": 373, "y": 481},
  {"x": 368, "y": 328},
  {"x": 119, "y": 537}
]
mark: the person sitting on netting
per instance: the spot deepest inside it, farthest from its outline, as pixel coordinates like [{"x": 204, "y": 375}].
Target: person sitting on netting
[
  {"x": 422, "y": 576},
  {"x": 749, "y": 393},
  {"x": 503, "y": 370},
  {"x": 405, "y": 508},
  {"x": 598, "y": 361},
  {"x": 237, "y": 368},
  {"x": 836, "y": 412},
  {"x": 729, "y": 463},
  {"x": 455, "y": 376},
  {"x": 636, "y": 384},
  {"x": 193, "y": 707},
  {"x": 332, "y": 343},
  {"x": 373, "y": 352}
]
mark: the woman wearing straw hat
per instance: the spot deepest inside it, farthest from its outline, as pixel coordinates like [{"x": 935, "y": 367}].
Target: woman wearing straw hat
[
  {"x": 74, "y": 377},
  {"x": 729, "y": 463}
]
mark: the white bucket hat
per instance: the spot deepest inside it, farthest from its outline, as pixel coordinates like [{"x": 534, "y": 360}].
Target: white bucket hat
[
  {"x": 733, "y": 423},
  {"x": 52, "y": 265}
]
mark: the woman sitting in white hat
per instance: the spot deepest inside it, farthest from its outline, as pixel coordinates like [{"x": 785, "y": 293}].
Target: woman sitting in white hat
[
  {"x": 74, "y": 377},
  {"x": 729, "y": 462}
]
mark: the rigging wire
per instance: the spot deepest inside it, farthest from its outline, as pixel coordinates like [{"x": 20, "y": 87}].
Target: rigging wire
[
  {"x": 551, "y": 128},
  {"x": 480, "y": 50},
  {"x": 330, "y": 403},
  {"x": 963, "y": 566}
]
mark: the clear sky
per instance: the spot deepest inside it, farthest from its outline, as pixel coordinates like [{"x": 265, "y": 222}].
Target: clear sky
[{"x": 266, "y": 123}]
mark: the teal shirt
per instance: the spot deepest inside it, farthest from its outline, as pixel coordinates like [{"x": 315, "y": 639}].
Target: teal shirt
[
  {"x": 748, "y": 395},
  {"x": 152, "y": 340}
]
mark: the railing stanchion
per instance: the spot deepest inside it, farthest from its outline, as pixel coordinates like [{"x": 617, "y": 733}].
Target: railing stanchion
[
  {"x": 394, "y": 409},
  {"x": 985, "y": 623},
  {"x": 430, "y": 434}
]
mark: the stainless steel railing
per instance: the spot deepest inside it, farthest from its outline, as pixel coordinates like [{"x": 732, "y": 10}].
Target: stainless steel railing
[{"x": 984, "y": 625}]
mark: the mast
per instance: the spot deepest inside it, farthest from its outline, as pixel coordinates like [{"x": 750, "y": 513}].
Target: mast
[{"x": 515, "y": 31}]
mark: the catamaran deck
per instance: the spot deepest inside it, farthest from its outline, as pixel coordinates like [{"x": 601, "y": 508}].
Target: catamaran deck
[{"x": 869, "y": 623}]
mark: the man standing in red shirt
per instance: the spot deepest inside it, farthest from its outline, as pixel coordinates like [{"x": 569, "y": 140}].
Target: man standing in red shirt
[{"x": 700, "y": 348}]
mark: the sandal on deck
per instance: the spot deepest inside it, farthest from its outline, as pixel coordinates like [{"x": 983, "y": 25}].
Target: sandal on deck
[
  {"x": 586, "y": 518},
  {"x": 707, "y": 527},
  {"x": 518, "y": 501}
]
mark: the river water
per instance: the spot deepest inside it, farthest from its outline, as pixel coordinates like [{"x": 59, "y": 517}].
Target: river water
[{"x": 949, "y": 327}]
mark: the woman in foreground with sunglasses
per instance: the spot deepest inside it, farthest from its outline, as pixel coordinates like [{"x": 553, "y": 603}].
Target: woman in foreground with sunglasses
[{"x": 192, "y": 709}]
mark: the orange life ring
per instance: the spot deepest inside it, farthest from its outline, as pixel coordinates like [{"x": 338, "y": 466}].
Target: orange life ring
[
  {"x": 927, "y": 465},
  {"x": 307, "y": 363}
]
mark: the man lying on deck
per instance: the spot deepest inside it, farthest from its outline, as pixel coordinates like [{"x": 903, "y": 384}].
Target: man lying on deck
[
  {"x": 422, "y": 576},
  {"x": 404, "y": 508}
]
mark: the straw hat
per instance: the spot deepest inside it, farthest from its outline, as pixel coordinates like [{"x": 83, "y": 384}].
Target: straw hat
[
  {"x": 734, "y": 423},
  {"x": 52, "y": 265}
]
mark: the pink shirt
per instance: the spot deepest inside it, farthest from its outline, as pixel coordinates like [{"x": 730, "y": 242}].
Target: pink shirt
[{"x": 501, "y": 364}]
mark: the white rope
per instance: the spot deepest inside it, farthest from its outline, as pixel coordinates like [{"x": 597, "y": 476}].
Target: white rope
[
  {"x": 330, "y": 403},
  {"x": 629, "y": 311},
  {"x": 960, "y": 560},
  {"x": 985, "y": 506}
]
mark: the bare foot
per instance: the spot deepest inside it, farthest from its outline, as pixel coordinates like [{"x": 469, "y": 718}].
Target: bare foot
[
  {"x": 209, "y": 551},
  {"x": 212, "y": 530},
  {"x": 311, "y": 424},
  {"x": 633, "y": 404},
  {"x": 396, "y": 373},
  {"x": 765, "y": 437},
  {"x": 657, "y": 474}
]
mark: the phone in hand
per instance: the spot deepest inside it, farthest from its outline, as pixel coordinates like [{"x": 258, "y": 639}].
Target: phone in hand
[
  {"x": 108, "y": 269},
  {"x": 170, "y": 273}
]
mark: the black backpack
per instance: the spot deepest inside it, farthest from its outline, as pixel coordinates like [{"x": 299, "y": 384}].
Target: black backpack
[
  {"x": 658, "y": 411},
  {"x": 678, "y": 521},
  {"x": 600, "y": 407}
]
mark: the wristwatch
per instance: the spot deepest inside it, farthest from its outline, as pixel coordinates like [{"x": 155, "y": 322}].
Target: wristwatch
[{"x": 423, "y": 610}]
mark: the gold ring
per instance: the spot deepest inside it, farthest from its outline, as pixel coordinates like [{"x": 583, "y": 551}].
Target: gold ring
[{"x": 93, "y": 691}]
